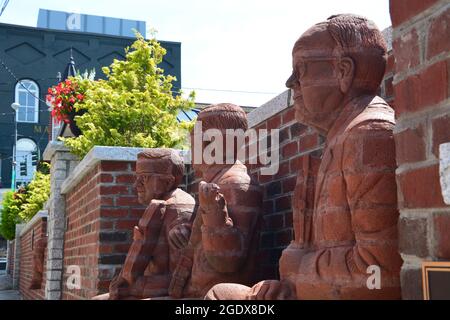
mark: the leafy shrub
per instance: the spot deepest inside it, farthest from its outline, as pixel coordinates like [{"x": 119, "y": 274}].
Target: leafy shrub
[
  {"x": 22, "y": 205},
  {"x": 38, "y": 192},
  {"x": 134, "y": 106},
  {"x": 10, "y": 213}
]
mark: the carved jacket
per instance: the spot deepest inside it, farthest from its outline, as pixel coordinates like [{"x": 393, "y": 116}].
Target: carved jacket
[
  {"x": 227, "y": 253},
  {"x": 346, "y": 239}
]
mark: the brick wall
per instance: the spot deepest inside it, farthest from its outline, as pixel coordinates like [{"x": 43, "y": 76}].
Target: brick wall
[
  {"x": 421, "y": 46},
  {"x": 28, "y": 241},
  {"x": 101, "y": 211}
]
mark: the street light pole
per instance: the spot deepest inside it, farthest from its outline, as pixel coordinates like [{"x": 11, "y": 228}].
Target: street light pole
[{"x": 15, "y": 106}]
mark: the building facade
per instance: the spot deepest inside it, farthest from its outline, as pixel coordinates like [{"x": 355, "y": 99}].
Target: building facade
[{"x": 30, "y": 60}]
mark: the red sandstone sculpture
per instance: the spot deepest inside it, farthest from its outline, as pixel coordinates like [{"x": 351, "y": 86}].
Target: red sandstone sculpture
[
  {"x": 338, "y": 66},
  {"x": 152, "y": 257},
  {"x": 38, "y": 263},
  {"x": 223, "y": 244}
]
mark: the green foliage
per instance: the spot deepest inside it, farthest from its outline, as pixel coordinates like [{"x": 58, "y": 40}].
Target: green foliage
[
  {"x": 134, "y": 106},
  {"x": 38, "y": 192},
  {"x": 22, "y": 205},
  {"x": 11, "y": 207}
]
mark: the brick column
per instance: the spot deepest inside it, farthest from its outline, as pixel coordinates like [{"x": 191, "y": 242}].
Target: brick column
[
  {"x": 16, "y": 271},
  {"x": 421, "y": 47},
  {"x": 62, "y": 162}
]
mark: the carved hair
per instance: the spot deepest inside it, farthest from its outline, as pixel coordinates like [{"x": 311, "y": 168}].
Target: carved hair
[
  {"x": 223, "y": 116},
  {"x": 360, "y": 39},
  {"x": 169, "y": 158}
]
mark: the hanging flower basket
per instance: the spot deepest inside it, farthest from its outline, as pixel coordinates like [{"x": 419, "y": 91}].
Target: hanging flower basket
[{"x": 63, "y": 97}]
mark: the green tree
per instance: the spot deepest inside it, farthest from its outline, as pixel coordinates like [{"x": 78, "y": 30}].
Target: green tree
[
  {"x": 134, "y": 106},
  {"x": 10, "y": 213},
  {"x": 38, "y": 192}
]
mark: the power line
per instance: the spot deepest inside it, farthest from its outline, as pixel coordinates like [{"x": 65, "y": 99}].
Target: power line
[
  {"x": 19, "y": 82},
  {"x": 228, "y": 90},
  {"x": 5, "y": 4}
]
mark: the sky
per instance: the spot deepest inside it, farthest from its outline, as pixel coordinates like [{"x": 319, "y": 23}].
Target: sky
[{"x": 236, "y": 51}]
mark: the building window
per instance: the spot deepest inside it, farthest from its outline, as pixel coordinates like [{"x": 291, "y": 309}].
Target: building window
[
  {"x": 24, "y": 149},
  {"x": 27, "y": 92}
]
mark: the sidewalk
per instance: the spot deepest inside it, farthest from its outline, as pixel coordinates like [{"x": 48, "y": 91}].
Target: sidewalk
[
  {"x": 10, "y": 295},
  {"x": 5, "y": 289}
]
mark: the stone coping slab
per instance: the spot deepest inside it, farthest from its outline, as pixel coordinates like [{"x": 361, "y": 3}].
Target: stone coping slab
[
  {"x": 30, "y": 224},
  {"x": 51, "y": 148},
  {"x": 269, "y": 109},
  {"x": 96, "y": 155}
]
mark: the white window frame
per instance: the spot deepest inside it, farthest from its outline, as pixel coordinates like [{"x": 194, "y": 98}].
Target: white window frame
[{"x": 35, "y": 101}]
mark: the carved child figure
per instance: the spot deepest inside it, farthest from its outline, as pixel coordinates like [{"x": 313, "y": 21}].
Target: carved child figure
[
  {"x": 225, "y": 233},
  {"x": 152, "y": 257}
]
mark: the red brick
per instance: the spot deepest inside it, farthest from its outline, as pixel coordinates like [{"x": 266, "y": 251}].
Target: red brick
[
  {"x": 114, "y": 166},
  {"x": 274, "y": 122},
  {"x": 423, "y": 90},
  {"x": 406, "y": 50},
  {"x": 402, "y": 10},
  {"x": 283, "y": 238},
  {"x": 309, "y": 142},
  {"x": 283, "y": 203},
  {"x": 439, "y": 35},
  {"x": 127, "y": 201},
  {"x": 289, "y": 184},
  {"x": 289, "y": 149},
  {"x": 283, "y": 170},
  {"x": 111, "y": 213},
  {"x": 125, "y": 178},
  {"x": 275, "y": 221},
  {"x": 106, "y": 178},
  {"x": 126, "y": 224},
  {"x": 388, "y": 87},
  {"x": 441, "y": 133},
  {"x": 390, "y": 65},
  {"x": 441, "y": 229},
  {"x": 289, "y": 115},
  {"x": 426, "y": 194},
  {"x": 410, "y": 145},
  {"x": 113, "y": 190}
]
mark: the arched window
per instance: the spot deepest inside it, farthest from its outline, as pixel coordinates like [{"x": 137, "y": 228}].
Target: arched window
[
  {"x": 27, "y": 92},
  {"x": 24, "y": 148}
]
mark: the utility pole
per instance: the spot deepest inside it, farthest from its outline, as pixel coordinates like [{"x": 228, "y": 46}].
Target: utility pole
[{"x": 15, "y": 107}]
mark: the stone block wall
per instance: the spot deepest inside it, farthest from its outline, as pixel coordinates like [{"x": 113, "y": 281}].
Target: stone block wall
[
  {"x": 10, "y": 266},
  {"x": 101, "y": 211},
  {"x": 35, "y": 230},
  {"x": 421, "y": 46}
]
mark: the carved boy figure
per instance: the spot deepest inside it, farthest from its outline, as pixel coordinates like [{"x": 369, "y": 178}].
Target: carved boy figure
[
  {"x": 225, "y": 233},
  {"x": 338, "y": 66},
  {"x": 152, "y": 257}
]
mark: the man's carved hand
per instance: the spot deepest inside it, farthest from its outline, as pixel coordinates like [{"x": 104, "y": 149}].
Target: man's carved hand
[
  {"x": 179, "y": 235},
  {"x": 269, "y": 290},
  {"x": 213, "y": 205},
  {"x": 118, "y": 288},
  {"x": 209, "y": 196}
]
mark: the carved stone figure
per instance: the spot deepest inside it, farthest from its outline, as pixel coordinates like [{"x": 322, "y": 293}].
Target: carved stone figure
[
  {"x": 38, "y": 263},
  {"x": 347, "y": 248},
  {"x": 223, "y": 245},
  {"x": 153, "y": 256}
]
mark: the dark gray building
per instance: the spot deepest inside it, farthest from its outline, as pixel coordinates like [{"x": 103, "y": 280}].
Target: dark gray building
[{"x": 34, "y": 57}]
